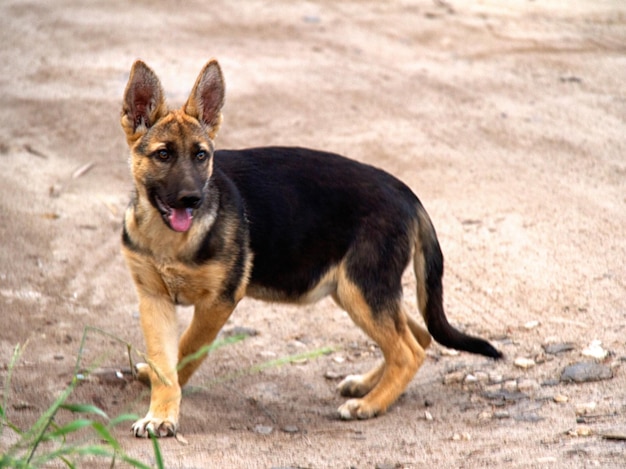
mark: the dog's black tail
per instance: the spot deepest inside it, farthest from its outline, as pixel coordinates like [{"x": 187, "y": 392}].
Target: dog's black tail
[{"x": 428, "y": 267}]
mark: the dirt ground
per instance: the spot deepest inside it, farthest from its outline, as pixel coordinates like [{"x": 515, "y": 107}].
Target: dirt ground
[{"x": 508, "y": 119}]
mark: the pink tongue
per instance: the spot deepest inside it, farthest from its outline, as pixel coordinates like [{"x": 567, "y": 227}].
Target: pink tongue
[{"x": 180, "y": 219}]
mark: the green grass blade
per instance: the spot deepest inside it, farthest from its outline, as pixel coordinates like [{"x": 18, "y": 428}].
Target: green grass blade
[
  {"x": 157, "y": 451},
  {"x": 71, "y": 427},
  {"x": 63, "y": 450},
  {"x": 312, "y": 354},
  {"x": 291, "y": 359},
  {"x": 12, "y": 426},
  {"x": 207, "y": 349},
  {"x": 134, "y": 462},
  {"x": 106, "y": 435},
  {"x": 7, "y": 461},
  {"x": 85, "y": 409},
  {"x": 74, "y": 451},
  {"x": 67, "y": 462},
  {"x": 37, "y": 431}
]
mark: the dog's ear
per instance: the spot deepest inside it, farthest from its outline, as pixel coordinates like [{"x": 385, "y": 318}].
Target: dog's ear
[
  {"x": 207, "y": 98},
  {"x": 144, "y": 103}
]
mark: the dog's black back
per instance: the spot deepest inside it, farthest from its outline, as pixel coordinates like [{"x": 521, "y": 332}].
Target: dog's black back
[{"x": 306, "y": 209}]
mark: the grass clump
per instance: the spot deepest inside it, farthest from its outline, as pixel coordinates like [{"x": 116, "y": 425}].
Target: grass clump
[{"x": 47, "y": 441}]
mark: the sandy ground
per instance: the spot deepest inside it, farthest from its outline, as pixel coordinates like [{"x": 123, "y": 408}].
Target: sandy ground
[{"x": 508, "y": 119}]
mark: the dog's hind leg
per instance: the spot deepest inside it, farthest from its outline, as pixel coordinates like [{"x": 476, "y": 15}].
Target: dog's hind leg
[
  {"x": 360, "y": 385},
  {"x": 403, "y": 355},
  {"x": 420, "y": 333}
]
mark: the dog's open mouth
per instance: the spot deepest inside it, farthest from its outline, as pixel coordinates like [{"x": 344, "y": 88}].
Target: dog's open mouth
[{"x": 179, "y": 219}]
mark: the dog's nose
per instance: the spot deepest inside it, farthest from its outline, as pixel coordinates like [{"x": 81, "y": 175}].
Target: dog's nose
[{"x": 189, "y": 199}]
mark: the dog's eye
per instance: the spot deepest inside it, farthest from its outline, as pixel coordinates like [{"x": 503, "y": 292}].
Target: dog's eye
[
  {"x": 163, "y": 155},
  {"x": 201, "y": 155}
]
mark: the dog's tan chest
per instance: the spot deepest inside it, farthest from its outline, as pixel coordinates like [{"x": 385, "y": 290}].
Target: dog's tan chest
[
  {"x": 176, "y": 283},
  {"x": 191, "y": 285}
]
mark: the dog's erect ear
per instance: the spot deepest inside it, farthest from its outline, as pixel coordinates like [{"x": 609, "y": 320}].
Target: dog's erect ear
[
  {"x": 207, "y": 98},
  {"x": 143, "y": 101}
]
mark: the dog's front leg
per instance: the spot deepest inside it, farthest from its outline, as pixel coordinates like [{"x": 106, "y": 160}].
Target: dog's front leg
[
  {"x": 208, "y": 319},
  {"x": 160, "y": 330}
]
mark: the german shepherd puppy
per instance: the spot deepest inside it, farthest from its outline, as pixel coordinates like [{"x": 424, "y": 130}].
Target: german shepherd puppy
[{"x": 206, "y": 228}]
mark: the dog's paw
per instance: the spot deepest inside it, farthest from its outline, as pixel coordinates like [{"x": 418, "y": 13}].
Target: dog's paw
[
  {"x": 357, "y": 409},
  {"x": 143, "y": 428},
  {"x": 353, "y": 386}
]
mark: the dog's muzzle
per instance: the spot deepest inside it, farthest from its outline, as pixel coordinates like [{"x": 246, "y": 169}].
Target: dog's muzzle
[{"x": 179, "y": 216}]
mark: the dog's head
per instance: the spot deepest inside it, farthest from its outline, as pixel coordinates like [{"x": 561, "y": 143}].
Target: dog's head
[{"x": 172, "y": 151}]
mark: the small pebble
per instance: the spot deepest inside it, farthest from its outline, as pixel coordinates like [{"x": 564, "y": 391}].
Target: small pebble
[
  {"x": 296, "y": 344},
  {"x": 465, "y": 436},
  {"x": 454, "y": 377},
  {"x": 595, "y": 350},
  {"x": 531, "y": 325},
  {"x": 524, "y": 363},
  {"x": 581, "y": 430},
  {"x": 553, "y": 349},
  {"x": 586, "y": 371},
  {"x": 493, "y": 389},
  {"x": 585, "y": 408},
  {"x": 560, "y": 399},
  {"x": 470, "y": 379},
  {"x": 263, "y": 429},
  {"x": 290, "y": 429},
  {"x": 505, "y": 396},
  {"x": 501, "y": 414},
  {"x": 428, "y": 416},
  {"x": 332, "y": 375}
]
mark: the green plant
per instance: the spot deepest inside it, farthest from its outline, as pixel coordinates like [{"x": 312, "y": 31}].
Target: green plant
[{"x": 68, "y": 442}]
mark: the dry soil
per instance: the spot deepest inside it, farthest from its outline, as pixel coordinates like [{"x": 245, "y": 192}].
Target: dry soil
[{"x": 508, "y": 119}]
